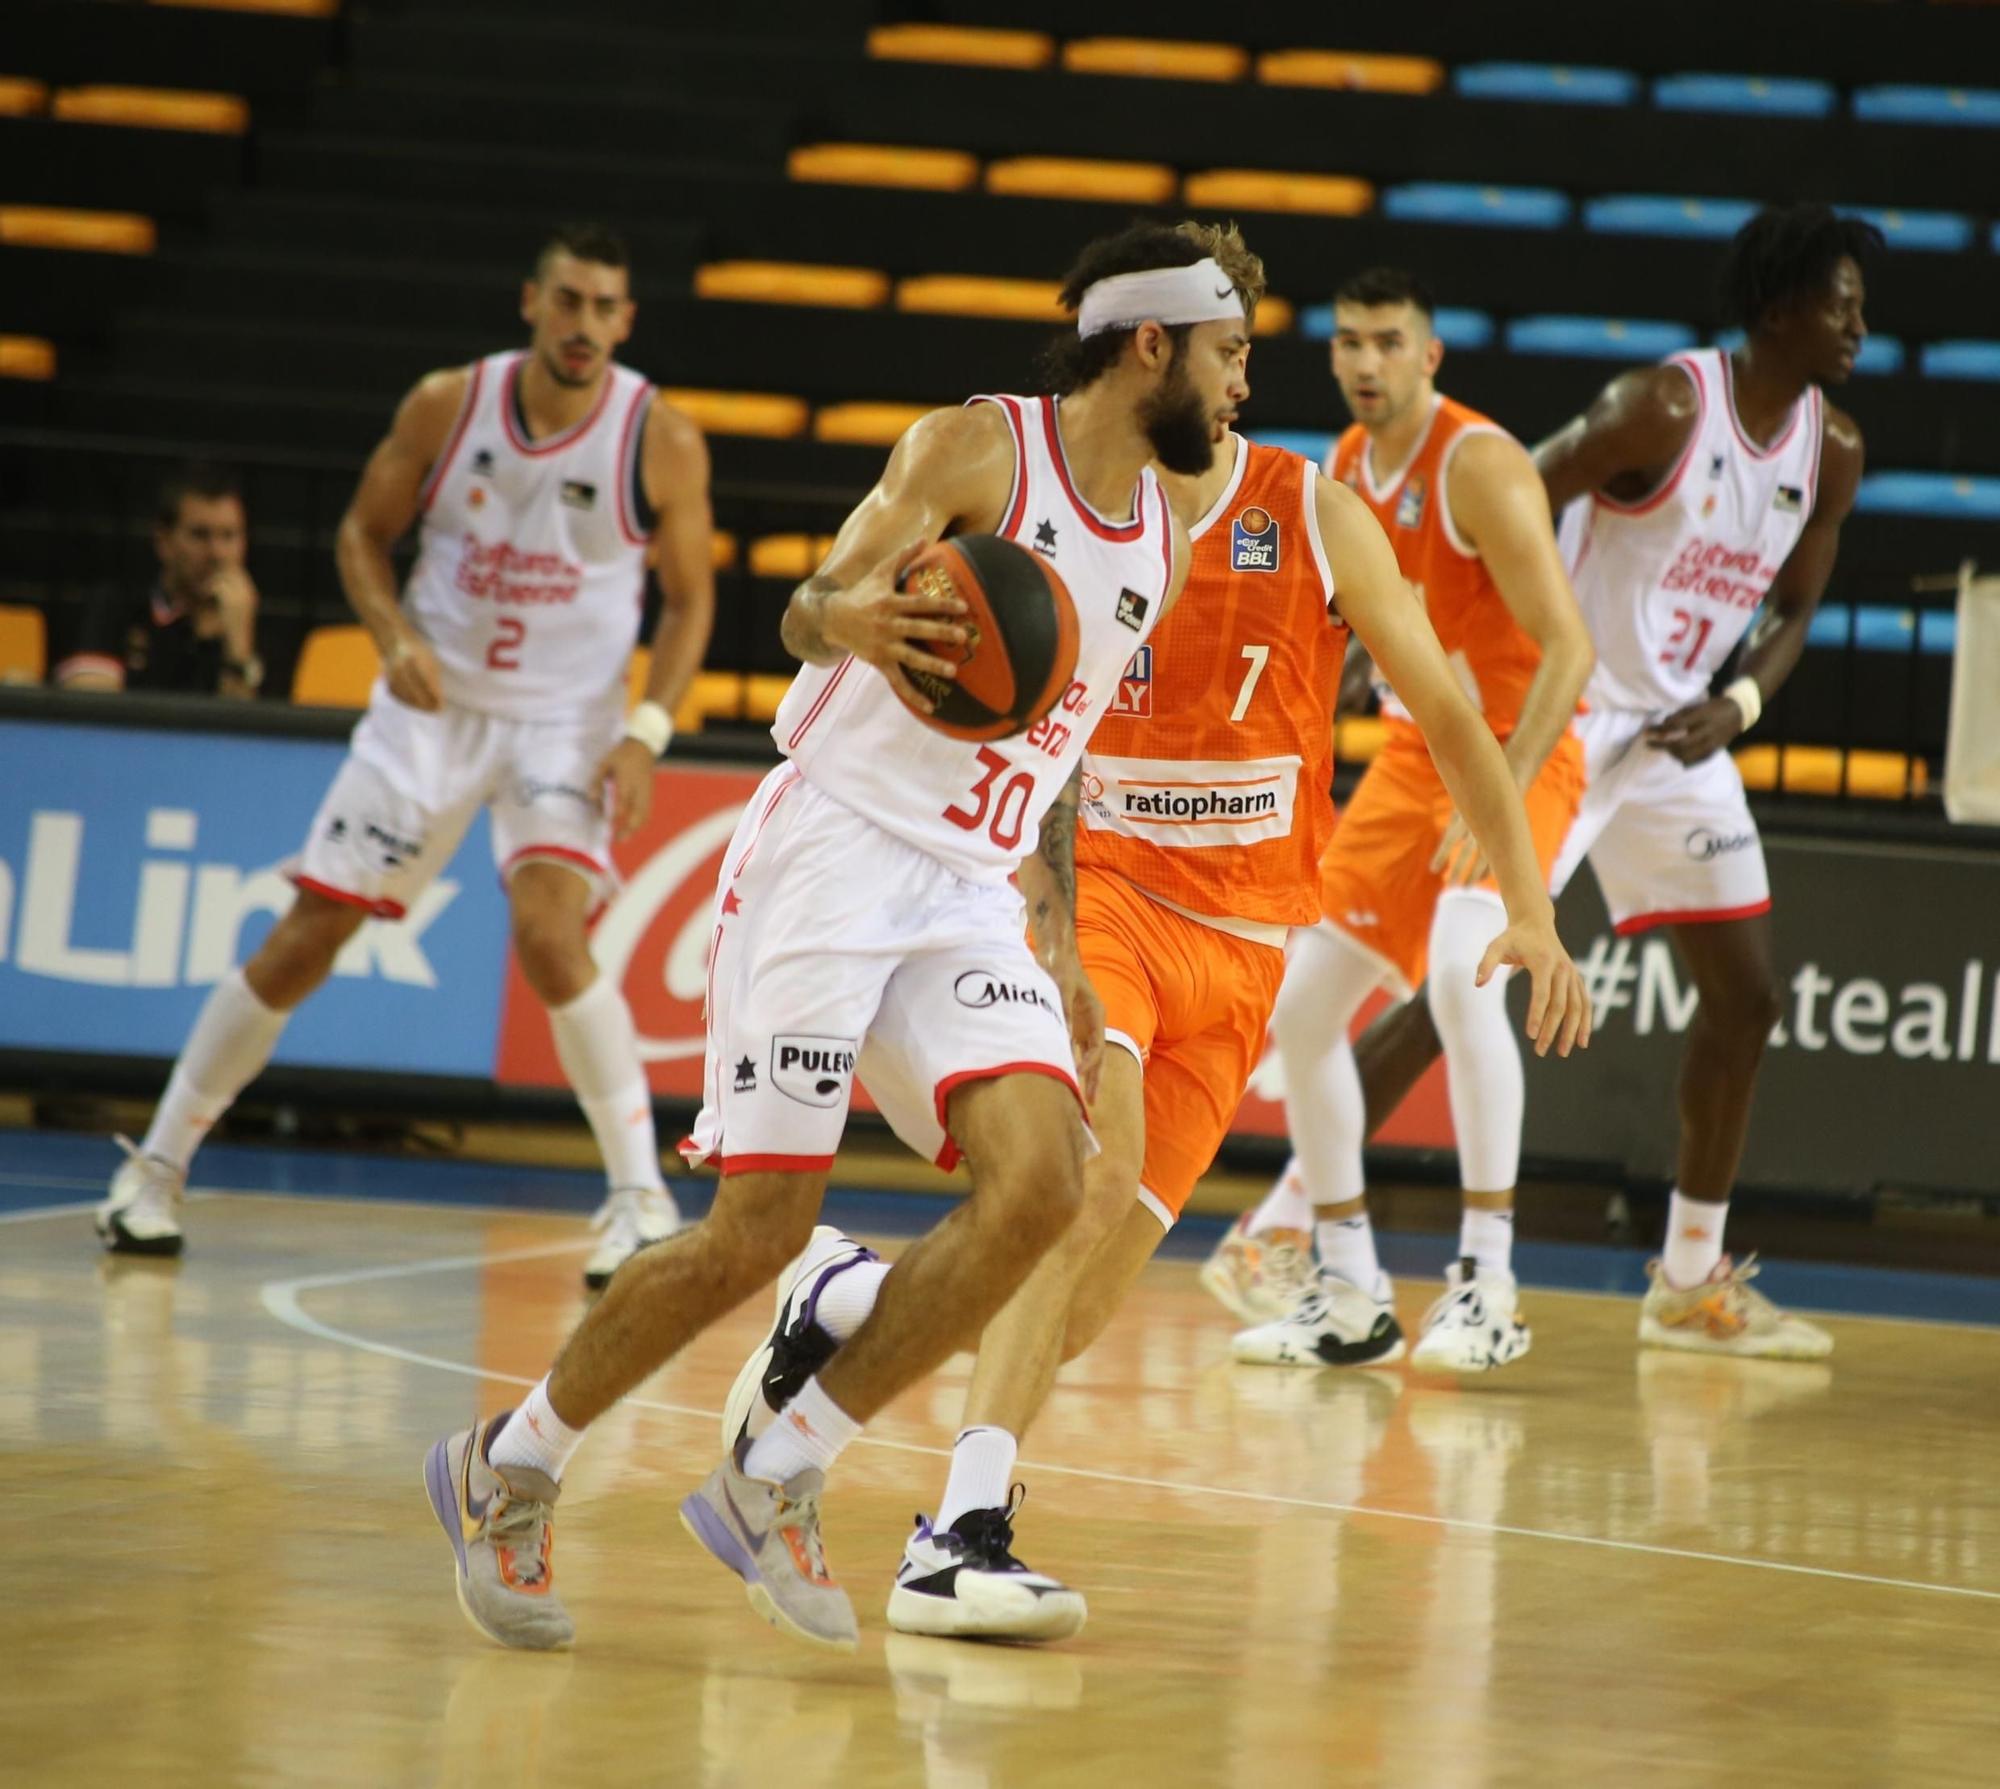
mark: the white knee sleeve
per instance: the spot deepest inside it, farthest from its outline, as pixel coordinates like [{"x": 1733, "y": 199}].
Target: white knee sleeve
[
  {"x": 1326, "y": 980},
  {"x": 1483, "y": 1060}
]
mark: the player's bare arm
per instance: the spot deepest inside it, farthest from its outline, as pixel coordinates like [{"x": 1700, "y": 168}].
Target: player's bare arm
[
  {"x": 674, "y": 469},
  {"x": 951, "y": 471},
  {"x": 1771, "y": 653},
  {"x": 1376, "y": 602},
  {"x": 1626, "y": 443},
  {"x": 1048, "y": 884},
  {"x": 1499, "y": 507},
  {"x": 384, "y": 506}
]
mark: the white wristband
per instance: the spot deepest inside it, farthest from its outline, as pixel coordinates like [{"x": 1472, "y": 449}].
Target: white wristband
[
  {"x": 1748, "y": 695},
  {"x": 651, "y": 725}
]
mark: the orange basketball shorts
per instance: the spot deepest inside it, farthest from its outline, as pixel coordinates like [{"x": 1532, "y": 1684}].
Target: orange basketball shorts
[
  {"x": 1191, "y": 1003},
  {"x": 1375, "y": 881}
]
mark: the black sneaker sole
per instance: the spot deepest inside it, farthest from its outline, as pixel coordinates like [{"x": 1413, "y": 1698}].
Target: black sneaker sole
[{"x": 119, "y": 1241}]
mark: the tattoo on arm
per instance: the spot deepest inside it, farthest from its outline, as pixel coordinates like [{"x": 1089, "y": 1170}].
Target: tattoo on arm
[
  {"x": 801, "y": 630},
  {"x": 1057, "y": 850}
]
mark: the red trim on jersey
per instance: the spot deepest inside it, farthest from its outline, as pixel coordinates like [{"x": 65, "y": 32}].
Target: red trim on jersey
[
  {"x": 428, "y": 495},
  {"x": 952, "y": 1083},
  {"x": 1818, "y": 447},
  {"x": 635, "y": 427},
  {"x": 1691, "y": 916},
  {"x": 1102, "y": 529},
  {"x": 775, "y": 1164},
  {"x": 1647, "y": 504},
  {"x": 1167, "y": 542},
  {"x": 1017, "y": 497},
  {"x": 771, "y": 807},
  {"x": 1750, "y": 447},
  {"x": 568, "y": 437},
  {"x": 347, "y": 898},
  {"x": 557, "y": 854},
  {"x": 92, "y": 661},
  {"x": 819, "y": 702}
]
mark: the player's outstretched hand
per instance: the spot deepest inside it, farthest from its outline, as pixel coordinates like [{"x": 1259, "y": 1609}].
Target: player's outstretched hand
[
  {"x": 888, "y": 627},
  {"x": 1085, "y": 1013},
  {"x": 1558, "y": 1002},
  {"x": 414, "y": 677},
  {"x": 1697, "y": 731},
  {"x": 626, "y": 777}
]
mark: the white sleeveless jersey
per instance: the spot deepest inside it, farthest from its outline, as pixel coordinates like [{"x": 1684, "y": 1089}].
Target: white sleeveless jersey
[
  {"x": 530, "y": 573},
  {"x": 978, "y": 807},
  {"x": 1670, "y": 583}
]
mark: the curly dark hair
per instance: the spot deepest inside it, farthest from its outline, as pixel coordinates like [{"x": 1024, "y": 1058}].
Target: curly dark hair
[
  {"x": 1071, "y": 362},
  {"x": 1785, "y": 253},
  {"x": 587, "y": 242}
]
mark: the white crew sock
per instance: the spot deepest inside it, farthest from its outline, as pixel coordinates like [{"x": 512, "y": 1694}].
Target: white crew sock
[
  {"x": 231, "y": 1041},
  {"x": 1346, "y": 1247},
  {"x": 1488, "y": 1237},
  {"x": 1694, "y": 1239},
  {"x": 810, "y": 1431},
  {"x": 599, "y": 1052},
  {"x": 1285, "y": 1206},
  {"x": 535, "y": 1437},
  {"x": 982, "y": 1463},
  {"x": 847, "y": 1298},
  {"x": 1483, "y": 1061},
  {"x": 1327, "y": 978}
]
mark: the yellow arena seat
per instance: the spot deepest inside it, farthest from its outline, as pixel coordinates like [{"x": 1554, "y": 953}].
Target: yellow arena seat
[
  {"x": 1275, "y": 316},
  {"x": 337, "y": 668},
  {"x": 300, "y": 9},
  {"x": 1059, "y": 177},
  {"x": 54, "y": 226},
  {"x": 20, "y": 97},
  {"x": 965, "y": 295},
  {"x": 867, "y": 425},
  {"x": 762, "y": 692},
  {"x": 1357, "y": 738},
  {"x": 792, "y": 282},
  {"x": 791, "y": 556},
  {"x": 1257, "y": 189},
  {"x": 721, "y": 550},
  {"x": 744, "y": 412},
  {"x": 883, "y": 164},
  {"x": 1155, "y": 58},
  {"x": 24, "y": 645},
  {"x": 1345, "y": 68},
  {"x": 970, "y": 46},
  {"x": 153, "y": 108},
  {"x": 712, "y": 696},
  {"x": 27, "y": 357},
  {"x": 1819, "y": 770}
]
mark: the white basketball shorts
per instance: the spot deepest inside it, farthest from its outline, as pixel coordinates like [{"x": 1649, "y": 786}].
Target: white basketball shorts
[
  {"x": 839, "y": 951},
  {"x": 412, "y": 782},
  {"x": 1671, "y": 843}
]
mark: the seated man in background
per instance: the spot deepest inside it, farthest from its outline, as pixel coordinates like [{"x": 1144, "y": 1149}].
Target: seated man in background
[{"x": 193, "y": 632}]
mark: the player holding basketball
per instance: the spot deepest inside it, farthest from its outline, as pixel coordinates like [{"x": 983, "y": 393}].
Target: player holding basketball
[
  {"x": 543, "y": 483},
  {"x": 866, "y": 901},
  {"x": 1402, "y": 887},
  {"x": 1695, "y": 490},
  {"x": 1205, "y": 808}
]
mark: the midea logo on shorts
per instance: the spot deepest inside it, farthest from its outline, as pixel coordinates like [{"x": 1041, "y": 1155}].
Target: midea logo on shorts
[
  {"x": 979, "y": 988},
  {"x": 1705, "y": 846}
]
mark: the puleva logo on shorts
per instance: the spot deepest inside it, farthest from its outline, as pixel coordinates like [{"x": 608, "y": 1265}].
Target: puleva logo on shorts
[
  {"x": 812, "y": 1070},
  {"x": 1135, "y": 686},
  {"x": 981, "y": 988},
  {"x": 1253, "y": 540}
]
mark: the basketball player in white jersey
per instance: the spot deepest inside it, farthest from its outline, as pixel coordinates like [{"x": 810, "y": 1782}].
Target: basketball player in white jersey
[
  {"x": 543, "y": 482},
  {"x": 1699, "y": 496}
]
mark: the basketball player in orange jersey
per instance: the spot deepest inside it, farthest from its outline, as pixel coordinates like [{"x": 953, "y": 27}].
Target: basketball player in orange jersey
[
  {"x": 543, "y": 484},
  {"x": 1403, "y": 889},
  {"x": 1205, "y": 807},
  {"x": 1689, "y": 492}
]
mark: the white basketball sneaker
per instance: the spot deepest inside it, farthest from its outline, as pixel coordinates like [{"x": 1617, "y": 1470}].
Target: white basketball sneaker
[
  {"x": 1723, "y": 1315},
  {"x": 966, "y": 1582},
  {"x": 1476, "y": 1326},
  {"x": 142, "y": 1215},
  {"x": 632, "y": 1218},
  {"x": 1334, "y": 1323},
  {"x": 1257, "y": 1278}
]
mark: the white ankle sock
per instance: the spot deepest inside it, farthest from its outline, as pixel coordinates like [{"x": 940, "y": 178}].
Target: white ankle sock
[
  {"x": 599, "y": 1052},
  {"x": 231, "y": 1041},
  {"x": 1483, "y": 1071},
  {"x": 1285, "y": 1206},
  {"x": 1694, "y": 1239},
  {"x": 1347, "y": 1247},
  {"x": 847, "y": 1298},
  {"x": 535, "y": 1437},
  {"x": 810, "y": 1431},
  {"x": 1488, "y": 1237},
  {"x": 982, "y": 1463}
]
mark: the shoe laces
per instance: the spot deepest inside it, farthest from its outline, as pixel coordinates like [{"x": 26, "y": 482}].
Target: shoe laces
[
  {"x": 798, "y": 1518},
  {"x": 986, "y": 1536},
  {"x": 1471, "y": 1308},
  {"x": 1736, "y": 1289},
  {"x": 161, "y": 1179},
  {"x": 520, "y": 1524}
]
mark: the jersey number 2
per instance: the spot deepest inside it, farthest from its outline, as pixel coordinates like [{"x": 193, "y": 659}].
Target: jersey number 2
[{"x": 505, "y": 652}]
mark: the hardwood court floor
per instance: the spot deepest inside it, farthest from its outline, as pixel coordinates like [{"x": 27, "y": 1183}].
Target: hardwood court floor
[{"x": 1599, "y": 1566}]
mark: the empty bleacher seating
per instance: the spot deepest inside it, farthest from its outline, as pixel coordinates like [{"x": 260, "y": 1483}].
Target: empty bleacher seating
[
  {"x": 337, "y": 668},
  {"x": 1352, "y": 70},
  {"x": 1546, "y": 83},
  {"x": 1155, "y": 59},
  {"x": 971, "y": 45},
  {"x": 1763, "y": 96},
  {"x": 24, "y": 646}
]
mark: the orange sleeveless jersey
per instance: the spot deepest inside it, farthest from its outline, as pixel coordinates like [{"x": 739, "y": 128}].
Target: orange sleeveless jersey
[
  {"x": 1208, "y": 783},
  {"x": 1486, "y": 646}
]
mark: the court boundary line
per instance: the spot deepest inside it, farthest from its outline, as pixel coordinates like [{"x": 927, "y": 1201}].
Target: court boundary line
[{"x": 280, "y": 1299}]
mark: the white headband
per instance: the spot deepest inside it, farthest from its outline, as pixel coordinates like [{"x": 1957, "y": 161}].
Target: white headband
[{"x": 1202, "y": 293}]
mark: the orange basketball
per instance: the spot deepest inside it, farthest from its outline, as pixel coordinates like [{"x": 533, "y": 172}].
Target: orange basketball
[{"x": 1021, "y": 653}]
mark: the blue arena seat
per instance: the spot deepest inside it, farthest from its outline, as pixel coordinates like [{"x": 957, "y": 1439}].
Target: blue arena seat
[
  {"x": 1599, "y": 338},
  {"x": 1546, "y": 83},
  {"x": 1940, "y": 232},
  {"x": 1873, "y": 628},
  {"x": 1929, "y": 105},
  {"x": 1957, "y": 495},
  {"x": 1666, "y": 214},
  {"x": 1313, "y": 443},
  {"x": 1505, "y": 207},
  {"x": 1961, "y": 360},
  {"x": 1771, "y": 97},
  {"x": 1456, "y": 327}
]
